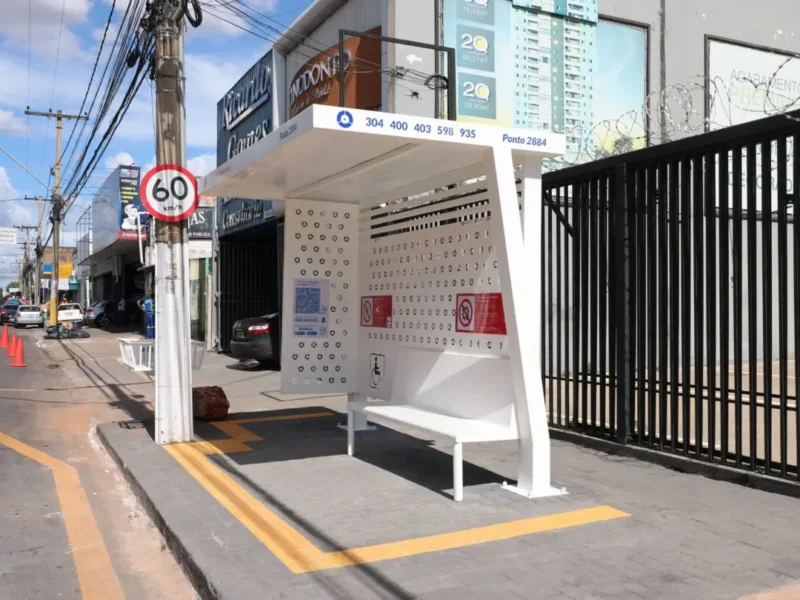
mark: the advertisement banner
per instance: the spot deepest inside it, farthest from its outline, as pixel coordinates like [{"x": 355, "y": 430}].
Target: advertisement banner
[
  {"x": 130, "y": 205},
  {"x": 8, "y": 236},
  {"x": 317, "y": 81},
  {"x": 744, "y": 84},
  {"x": 551, "y": 66}
]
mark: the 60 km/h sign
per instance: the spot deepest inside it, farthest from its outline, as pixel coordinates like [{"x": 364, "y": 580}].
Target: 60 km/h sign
[{"x": 169, "y": 193}]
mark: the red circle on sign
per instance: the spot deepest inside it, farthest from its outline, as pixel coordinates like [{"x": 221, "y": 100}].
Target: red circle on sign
[
  {"x": 151, "y": 209},
  {"x": 465, "y": 310}
]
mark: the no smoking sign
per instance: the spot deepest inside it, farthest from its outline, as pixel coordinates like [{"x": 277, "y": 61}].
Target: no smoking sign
[
  {"x": 480, "y": 313},
  {"x": 169, "y": 193}
]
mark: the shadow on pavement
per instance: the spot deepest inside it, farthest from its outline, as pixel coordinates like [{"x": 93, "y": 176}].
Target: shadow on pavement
[{"x": 115, "y": 392}]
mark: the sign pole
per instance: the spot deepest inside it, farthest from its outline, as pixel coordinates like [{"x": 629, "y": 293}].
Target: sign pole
[{"x": 173, "y": 365}]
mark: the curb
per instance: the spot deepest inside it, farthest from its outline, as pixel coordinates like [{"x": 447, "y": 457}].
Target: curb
[
  {"x": 204, "y": 589},
  {"x": 682, "y": 464}
]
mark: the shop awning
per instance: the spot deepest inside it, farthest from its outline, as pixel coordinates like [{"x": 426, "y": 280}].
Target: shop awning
[{"x": 328, "y": 153}]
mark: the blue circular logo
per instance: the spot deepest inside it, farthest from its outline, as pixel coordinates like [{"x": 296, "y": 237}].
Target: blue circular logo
[{"x": 344, "y": 119}]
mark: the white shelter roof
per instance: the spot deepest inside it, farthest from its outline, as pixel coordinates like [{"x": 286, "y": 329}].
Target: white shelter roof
[{"x": 346, "y": 155}]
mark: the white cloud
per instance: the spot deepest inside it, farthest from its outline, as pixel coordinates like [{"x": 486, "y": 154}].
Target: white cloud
[
  {"x": 11, "y": 124},
  {"x": 12, "y": 213},
  {"x": 149, "y": 165},
  {"x": 202, "y": 165},
  {"x": 226, "y": 21},
  {"x": 48, "y": 32},
  {"x": 120, "y": 158}
]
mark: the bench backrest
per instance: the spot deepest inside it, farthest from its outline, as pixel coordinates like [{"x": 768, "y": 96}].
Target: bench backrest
[{"x": 457, "y": 385}]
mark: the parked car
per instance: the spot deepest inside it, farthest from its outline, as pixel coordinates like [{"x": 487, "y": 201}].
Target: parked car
[
  {"x": 257, "y": 338},
  {"x": 97, "y": 315},
  {"x": 28, "y": 315},
  {"x": 70, "y": 313},
  {"x": 8, "y": 312}
]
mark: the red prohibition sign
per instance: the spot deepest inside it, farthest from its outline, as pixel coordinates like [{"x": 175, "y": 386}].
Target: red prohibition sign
[
  {"x": 160, "y": 208},
  {"x": 465, "y": 312}
]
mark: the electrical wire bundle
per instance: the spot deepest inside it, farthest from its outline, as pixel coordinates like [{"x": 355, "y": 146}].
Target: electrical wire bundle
[{"x": 268, "y": 29}]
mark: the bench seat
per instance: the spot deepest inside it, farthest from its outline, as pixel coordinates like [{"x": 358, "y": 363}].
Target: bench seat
[
  {"x": 465, "y": 398},
  {"x": 459, "y": 429}
]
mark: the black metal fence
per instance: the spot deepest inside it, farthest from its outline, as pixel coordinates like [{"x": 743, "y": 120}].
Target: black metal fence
[{"x": 670, "y": 287}]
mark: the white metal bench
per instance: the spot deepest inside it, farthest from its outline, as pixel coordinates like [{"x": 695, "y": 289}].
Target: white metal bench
[
  {"x": 428, "y": 393},
  {"x": 138, "y": 354}
]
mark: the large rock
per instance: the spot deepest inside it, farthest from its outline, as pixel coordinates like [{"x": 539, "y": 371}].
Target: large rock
[{"x": 210, "y": 403}]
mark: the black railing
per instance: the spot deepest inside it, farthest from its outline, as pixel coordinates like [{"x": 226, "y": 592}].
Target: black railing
[{"x": 670, "y": 282}]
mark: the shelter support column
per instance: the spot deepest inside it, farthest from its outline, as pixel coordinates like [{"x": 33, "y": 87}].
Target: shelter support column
[{"x": 520, "y": 282}]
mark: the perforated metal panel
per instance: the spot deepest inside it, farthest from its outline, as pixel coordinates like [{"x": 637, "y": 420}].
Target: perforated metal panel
[
  {"x": 321, "y": 242},
  {"x": 428, "y": 253}
]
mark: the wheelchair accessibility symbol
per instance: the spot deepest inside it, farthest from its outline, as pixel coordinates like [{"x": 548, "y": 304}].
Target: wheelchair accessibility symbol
[{"x": 344, "y": 119}]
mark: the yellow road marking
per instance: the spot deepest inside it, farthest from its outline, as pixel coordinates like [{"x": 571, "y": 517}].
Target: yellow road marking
[
  {"x": 96, "y": 575},
  {"x": 298, "y": 553},
  {"x": 16, "y": 390}
]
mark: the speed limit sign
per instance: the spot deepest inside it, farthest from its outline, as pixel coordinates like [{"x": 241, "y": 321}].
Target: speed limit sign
[{"x": 169, "y": 193}]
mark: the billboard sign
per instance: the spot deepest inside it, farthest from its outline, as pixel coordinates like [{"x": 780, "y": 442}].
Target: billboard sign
[{"x": 130, "y": 205}]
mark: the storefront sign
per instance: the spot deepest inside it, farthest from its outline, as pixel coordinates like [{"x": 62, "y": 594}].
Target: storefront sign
[
  {"x": 244, "y": 116},
  {"x": 201, "y": 224},
  {"x": 130, "y": 205},
  {"x": 249, "y": 93},
  {"x": 237, "y": 214},
  {"x": 317, "y": 81}
]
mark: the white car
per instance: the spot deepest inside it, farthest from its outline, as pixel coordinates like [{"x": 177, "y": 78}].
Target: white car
[
  {"x": 28, "y": 315},
  {"x": 70, "y": 313}
]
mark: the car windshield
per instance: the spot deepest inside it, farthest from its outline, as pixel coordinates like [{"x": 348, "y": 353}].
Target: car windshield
[
  {"x": 10, "y": 307},
  {"x": 69, "y": 307},
  {"x": 28, "y": 309}
]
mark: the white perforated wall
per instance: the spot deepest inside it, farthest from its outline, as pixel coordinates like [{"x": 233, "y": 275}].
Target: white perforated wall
[
  {"x": 432, "y": 254},
  {"x": 320, "y": 298}
]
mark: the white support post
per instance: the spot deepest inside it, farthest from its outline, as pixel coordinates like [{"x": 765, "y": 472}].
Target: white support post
[
  {"x": 458, "y": 472},
  {"x": 358, "y": 419},
  {"x": 522, "y": 307}
]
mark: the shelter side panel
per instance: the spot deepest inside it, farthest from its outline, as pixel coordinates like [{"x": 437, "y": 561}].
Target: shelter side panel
[
  {"x": 428, "y": 280},
  {"x": 320, "y": 298}
]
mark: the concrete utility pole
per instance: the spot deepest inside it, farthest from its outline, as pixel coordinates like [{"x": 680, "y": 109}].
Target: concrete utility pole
[
  {"x": 173, "y": 364},
  {"x": 24, "y": 278},
  {"x": 38, "y": 251},
  {"x": 58, "y": 205}
]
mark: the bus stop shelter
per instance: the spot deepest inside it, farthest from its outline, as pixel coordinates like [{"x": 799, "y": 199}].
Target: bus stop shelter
[{"x": 411, "y": 276}]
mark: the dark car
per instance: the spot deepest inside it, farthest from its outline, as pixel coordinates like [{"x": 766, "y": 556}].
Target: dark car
[
  {"x": 8, "y": 312},
  {"x": 257, "y": 338}
]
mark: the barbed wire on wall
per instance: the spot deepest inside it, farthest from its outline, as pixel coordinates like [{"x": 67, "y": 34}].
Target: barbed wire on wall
[{"x": 679, "y": 111}]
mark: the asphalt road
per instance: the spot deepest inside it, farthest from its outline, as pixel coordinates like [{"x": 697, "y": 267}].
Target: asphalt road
[{"x": 69, "y": 525}]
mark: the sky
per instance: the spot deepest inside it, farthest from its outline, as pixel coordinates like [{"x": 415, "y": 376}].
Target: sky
[{"x": 47, "y": 50}]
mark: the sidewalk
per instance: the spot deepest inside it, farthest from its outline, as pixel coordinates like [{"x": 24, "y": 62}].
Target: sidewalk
[{"x": 268, "y": 505}]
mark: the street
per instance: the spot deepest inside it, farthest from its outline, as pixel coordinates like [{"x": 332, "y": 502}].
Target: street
[{"x": 70, "y": 527}]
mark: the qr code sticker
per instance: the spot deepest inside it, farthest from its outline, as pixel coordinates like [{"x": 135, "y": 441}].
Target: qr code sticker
[{"x": 308, "y": 301}]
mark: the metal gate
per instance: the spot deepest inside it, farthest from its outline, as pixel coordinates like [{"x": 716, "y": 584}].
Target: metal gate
[
  {"x": 249, "y": 283},
  {"x": 671, "y": 277}
]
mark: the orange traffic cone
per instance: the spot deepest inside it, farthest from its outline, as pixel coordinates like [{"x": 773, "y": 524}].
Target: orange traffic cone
[
  {"x": 4, "y": 338},
  {"x": 12, "y": 346},
  {"x": 19, "y": 356}
]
